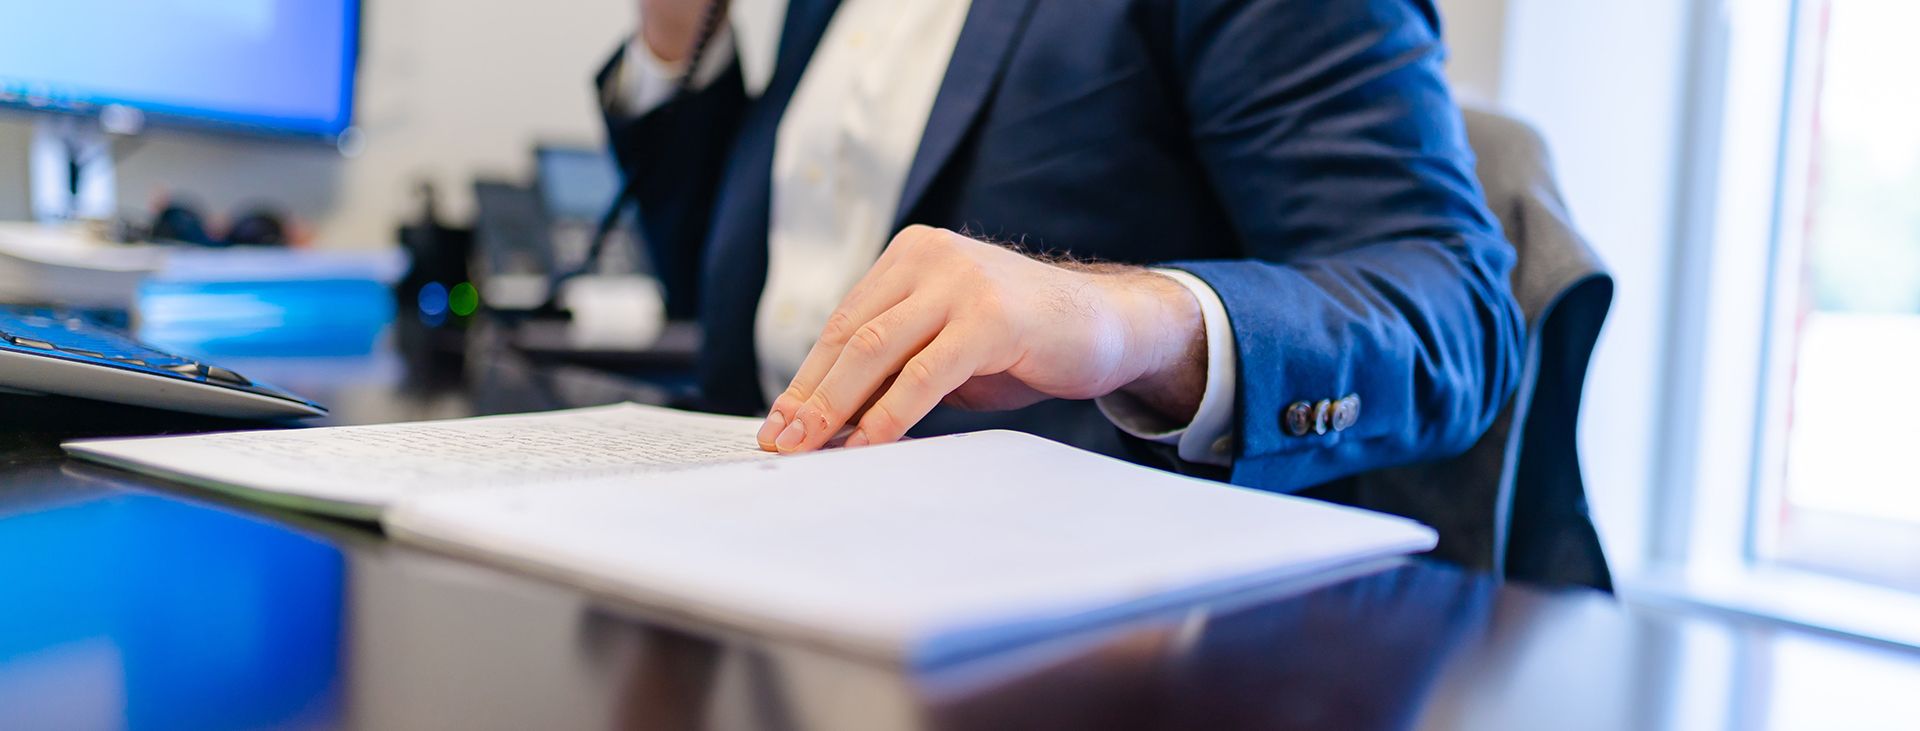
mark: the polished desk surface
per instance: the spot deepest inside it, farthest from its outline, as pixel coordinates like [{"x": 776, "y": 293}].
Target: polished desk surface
[{"x": 130, "y": 603}]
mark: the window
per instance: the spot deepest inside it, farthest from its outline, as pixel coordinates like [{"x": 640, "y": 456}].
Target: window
[
  {"x": 1849, "y": 467},
  {"x": 1785, "y": 471}
]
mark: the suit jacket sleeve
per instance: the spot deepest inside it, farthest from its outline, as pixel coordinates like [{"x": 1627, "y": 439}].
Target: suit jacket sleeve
[
  {"x": 674, "y": 154},
  {"x": 1373, "y": 267}
]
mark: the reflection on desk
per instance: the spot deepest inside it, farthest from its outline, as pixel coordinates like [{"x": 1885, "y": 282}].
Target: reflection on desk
[
  {"x": 128, "y": 602},
  {"x": 146, "y": 611}
]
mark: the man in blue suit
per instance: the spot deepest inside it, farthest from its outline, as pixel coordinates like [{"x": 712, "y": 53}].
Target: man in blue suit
[{"x": 1244, "y": 232}]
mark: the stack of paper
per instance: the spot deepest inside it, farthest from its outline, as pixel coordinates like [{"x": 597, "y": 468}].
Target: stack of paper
[{"x": 919, "y": 552}]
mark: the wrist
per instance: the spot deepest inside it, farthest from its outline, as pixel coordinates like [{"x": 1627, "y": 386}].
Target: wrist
[{"x": 1166, "y": 341}]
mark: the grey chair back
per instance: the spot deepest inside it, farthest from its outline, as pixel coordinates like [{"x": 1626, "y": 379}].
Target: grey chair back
[{"x": 1515, "y": 503}]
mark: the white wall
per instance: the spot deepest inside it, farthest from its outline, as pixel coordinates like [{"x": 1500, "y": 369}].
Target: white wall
[
  {"x": 1475, "y": 33},
  {"x": 449, "y": 88}
]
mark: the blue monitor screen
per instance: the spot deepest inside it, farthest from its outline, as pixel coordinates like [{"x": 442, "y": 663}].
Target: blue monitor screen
[{"x": 272, "y": 66}]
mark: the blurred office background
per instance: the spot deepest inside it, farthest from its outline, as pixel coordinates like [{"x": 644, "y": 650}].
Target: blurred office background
[
  {"x": 1750, "y": 170},
  {"x": 447, "y": 90}
]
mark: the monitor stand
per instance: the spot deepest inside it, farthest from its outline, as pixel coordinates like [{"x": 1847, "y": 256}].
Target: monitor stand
[{"x": 71, "y": 170}]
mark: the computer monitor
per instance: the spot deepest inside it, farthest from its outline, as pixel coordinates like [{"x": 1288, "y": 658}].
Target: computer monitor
[
  {"x": 576, "y": 183},
  {"x": 274, "y": 67}
]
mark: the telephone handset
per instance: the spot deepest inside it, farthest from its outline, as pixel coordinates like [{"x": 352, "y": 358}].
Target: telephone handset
[{"x": 710, "y": 23}]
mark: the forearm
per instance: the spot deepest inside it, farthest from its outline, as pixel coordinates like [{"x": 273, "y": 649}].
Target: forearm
[
  {"x": 1371, "y": 313},
  {"x": 1422, "y": 334}
]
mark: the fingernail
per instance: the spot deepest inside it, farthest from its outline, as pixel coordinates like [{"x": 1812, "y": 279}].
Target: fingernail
[
  {"x": 791, "y": 437},
  {"x": 771, "y": 430},
  {"x": 857, "y": 439}
]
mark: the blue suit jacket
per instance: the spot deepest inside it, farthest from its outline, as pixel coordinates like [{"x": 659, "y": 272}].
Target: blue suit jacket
[{"x": 1303, "y": 157}]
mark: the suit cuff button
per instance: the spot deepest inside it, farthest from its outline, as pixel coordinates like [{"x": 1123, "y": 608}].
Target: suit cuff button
[
  {"x": 1322, "y": 416},
  {"x": 1346, "y": 413},
  {"x": 1297, "y": 419}
]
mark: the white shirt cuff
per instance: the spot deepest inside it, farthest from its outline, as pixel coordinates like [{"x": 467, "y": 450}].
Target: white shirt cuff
[
  {"x": 1208, "y": 439},
  {"x": 644, "y": 81}
]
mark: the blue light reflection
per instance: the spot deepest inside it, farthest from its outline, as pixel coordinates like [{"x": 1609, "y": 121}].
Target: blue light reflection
[{"x": 175, "y": 614}]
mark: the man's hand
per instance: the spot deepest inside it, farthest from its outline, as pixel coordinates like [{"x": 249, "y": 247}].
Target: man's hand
[{"x": 941, "y": 317}]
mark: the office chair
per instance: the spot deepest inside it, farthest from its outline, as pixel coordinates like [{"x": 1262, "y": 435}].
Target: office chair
[{"x": 1515, "y": 503}]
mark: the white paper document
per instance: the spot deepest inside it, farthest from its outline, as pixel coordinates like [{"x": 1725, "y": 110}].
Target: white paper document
[
  {"x": 358, "y": 470},
  {"x": 917, "y": 552}
]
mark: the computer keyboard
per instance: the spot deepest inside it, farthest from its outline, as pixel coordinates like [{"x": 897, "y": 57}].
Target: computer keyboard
[{"x": 51, "y": 351}]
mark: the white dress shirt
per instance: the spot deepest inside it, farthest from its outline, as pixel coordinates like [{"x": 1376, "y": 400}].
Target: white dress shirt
[{"x": 843, "y": 149}]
